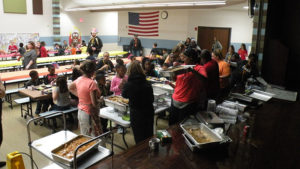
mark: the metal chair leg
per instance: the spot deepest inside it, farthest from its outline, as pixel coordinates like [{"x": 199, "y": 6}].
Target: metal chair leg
[
  {"x": 21, "y": 110},
  {"x": 123, "y": 136}
]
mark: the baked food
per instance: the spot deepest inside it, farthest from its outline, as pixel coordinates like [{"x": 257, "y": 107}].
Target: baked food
[
  {"x": 119, "y": 99},
  {"x": 199, "y": 136},
  {"x": 69, "y": 148}
]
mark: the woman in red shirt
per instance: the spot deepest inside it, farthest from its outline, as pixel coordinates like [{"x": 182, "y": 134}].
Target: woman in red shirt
[
  {"x": 243, "y": 52},
  {"x": 43, "y": 50},
  {"x": 187, "y": 90}
]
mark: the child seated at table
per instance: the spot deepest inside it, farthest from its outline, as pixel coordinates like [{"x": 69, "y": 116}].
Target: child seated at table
[
  {"x": 42, "y": 105},
  {"x": 119, "y": 80},
  {"x": 34, "y": 79},
  {"x": 51, "y": 77},
  {"x": 73, "y": 50},
  {"x": 61, "y": 95},
  {"x": 76, "y": 70}
]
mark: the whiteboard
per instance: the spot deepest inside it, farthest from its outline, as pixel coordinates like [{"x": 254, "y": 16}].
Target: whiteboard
[{"x": 5, "y": 39}]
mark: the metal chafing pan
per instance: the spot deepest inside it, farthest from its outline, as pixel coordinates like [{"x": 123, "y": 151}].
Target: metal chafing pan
[
  {"x": 116, "y": 105},
  {"x": 216, "y": 138},
  {"x": 67, "y": 161},
  {"x": 189, "y": 143},
  {"x": 164, "y": 87},
  {"x": 159, "y": 93},
  {"x": 175, "y": 70}
]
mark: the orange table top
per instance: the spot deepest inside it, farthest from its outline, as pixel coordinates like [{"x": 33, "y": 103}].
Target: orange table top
[{"x": 25, "y": 73}]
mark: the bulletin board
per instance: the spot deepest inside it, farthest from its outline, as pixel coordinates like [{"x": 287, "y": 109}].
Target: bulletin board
[
  {"x": 15, "y": 6},
  {"x": 5, "y": 39}
]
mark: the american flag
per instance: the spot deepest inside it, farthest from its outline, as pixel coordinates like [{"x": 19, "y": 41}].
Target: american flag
[{"x": 143, "y": 23}]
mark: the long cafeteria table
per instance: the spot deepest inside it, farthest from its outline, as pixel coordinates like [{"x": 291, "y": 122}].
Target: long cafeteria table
[
  {"x": 20, "y": 76},
  {"x": 12, "y": 63}
]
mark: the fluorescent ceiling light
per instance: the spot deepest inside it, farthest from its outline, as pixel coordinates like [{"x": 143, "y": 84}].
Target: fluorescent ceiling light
[
  {"x": 246, "y": 7},
  {"x": 167, "y": 4}
]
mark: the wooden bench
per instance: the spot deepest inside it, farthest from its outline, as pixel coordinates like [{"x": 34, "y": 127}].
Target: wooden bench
[
  {"x": 28, "y": 110},
  {"x": 9, "y": 93}
]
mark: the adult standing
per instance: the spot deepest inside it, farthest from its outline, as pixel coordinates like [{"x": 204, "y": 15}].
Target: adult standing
[
  {"x": 12, "y": 48},
  {"x": 212, "y": 71},
  {"x": 38, "y": 47},
  {"x": 140, "y": 94},
  {"x": 95, "y": 44},
  {"x": 135, "y": 46},
  {"x": 243, "y": 51},
  {"x": 30, "y": 56},
  {"x": 216, "y": 45},
  {"x": 188, "y": 90},
  {"x": 224, "y": 70},
  {"x": 85, "y": 88},
  {"x": 43, "y": 51},
  {"x": 231, "y": 52},
  {"x": 187, "y": 42},
  {"x": 2, "y": 94}
]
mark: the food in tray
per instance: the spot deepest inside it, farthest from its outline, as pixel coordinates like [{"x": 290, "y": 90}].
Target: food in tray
[
  {"x": 162, "y": 79},
  {"x": 199, "y": 136},
  {"x": 119, "y": 99},
  {"x": 42, "y": 87},
  {"x": 174, "y": 69},
  {"x": 69, "y": 148},
  {"x": 126, "y": 117}
]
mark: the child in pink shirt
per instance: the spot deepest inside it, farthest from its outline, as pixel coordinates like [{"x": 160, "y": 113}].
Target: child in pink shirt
[
  {"x": 119, "y": 80},
  {"x": 85, "y": 88}
]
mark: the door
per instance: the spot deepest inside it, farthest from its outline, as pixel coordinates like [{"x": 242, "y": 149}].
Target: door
[{"x": 206, "y": 36}]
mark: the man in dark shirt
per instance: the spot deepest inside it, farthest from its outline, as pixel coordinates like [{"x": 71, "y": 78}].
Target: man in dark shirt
[
  {"x": 135, "y": 46},
  {"x": 95, "y": 44},
  {"x": 154, "y": 50},
  {"x": 212, "y": 71},
  {"x": 105, "y": 64}
]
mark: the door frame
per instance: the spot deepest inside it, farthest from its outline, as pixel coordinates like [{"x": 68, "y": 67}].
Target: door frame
[{"x": 229, "y": 39}]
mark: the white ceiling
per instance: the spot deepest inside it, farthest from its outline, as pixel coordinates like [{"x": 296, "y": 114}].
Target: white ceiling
[
  {"x": 100, "y": 3},
  {"x": 118, "y": 2}
]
